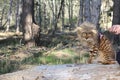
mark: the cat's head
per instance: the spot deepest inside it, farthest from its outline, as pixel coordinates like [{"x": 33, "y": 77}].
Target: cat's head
[{"x": 87, "y": 32}]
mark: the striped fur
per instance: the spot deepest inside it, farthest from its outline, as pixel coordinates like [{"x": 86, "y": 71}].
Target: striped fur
[{"x": 99, "y": 46}]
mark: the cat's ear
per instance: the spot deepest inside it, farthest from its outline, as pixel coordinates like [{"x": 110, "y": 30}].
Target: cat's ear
[
  {"x": 94, "y": 31},
  {"x": 79, "y": 29}
]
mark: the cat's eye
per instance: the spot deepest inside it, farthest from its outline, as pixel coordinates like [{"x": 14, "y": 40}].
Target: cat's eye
[
  {"x": 89, "y": 34},
  {"x": 84, "y": 34}
]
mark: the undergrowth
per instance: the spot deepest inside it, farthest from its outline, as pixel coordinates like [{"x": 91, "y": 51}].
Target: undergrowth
[
  {"x": 68, "y": 57},
  {"x": 59, "y": 55}
]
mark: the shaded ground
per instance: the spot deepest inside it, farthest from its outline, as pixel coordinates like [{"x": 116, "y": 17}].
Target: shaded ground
[{"x": 67, "y": 72}]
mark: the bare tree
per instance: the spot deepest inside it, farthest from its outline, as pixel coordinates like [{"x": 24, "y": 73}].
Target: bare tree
[
  {"x": 1, "y": 18},
  {"x": 40, "y": 18},
  {"x": 18, "y": 14},
  {"x": 9, "y": 15},
  {"x": 44, "y": 16},
  {"x": 3, "y": 11},
  {"x": 70, "y": 13},
  {"x": 84, "y": 11},
  {"x": 63, "y": 15},
  {"x": 31, "y": 30},
  {"x": 61, "y": 10},
  {"x": 89, "y": 11},
  {"x": 80, "y": 19},
  {"x": 95, "y": 12}
]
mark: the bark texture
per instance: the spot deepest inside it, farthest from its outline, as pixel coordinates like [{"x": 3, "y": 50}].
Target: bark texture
[{"x": 31, "y": 30}]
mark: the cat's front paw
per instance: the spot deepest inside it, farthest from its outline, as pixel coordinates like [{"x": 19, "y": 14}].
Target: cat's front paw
[{"x": 107, "y": 62}]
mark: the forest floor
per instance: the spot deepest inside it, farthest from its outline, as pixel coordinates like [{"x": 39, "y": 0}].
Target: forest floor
[
  {"x": 62, "y": 48},
  {"x": 60, "y": 57}
]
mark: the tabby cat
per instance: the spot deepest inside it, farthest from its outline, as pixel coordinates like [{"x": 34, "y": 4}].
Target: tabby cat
[{"x": 98, "y": 45}]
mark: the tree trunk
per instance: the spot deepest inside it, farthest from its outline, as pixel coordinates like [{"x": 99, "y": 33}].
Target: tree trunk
[
  {"x": 9, "y": 16},
  {"x": 18, "y": 13},
  {"x": 56, "y": 15},
  {"x": 70, "y": 11},
  {"x": 53, "y": 11},
  {"x": 95, "y": 12},
  {"x": 1, "y": 13},
  {"x": 40, "y": 17},
  {"x": 31, "y": 30},
  {"x": 63, "y": 15},
  {"x": 0, "y": 18},
  {"x": 87, "y": 13},
  {"x": 80, "y": 21},
  {"x": 56, "y": 10},
  {"x": 44, "y": 18},
  {"x": 71, "y": 24}
]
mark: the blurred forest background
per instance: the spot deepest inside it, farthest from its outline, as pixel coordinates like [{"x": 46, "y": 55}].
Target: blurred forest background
[{"x": 37, "y": 32}]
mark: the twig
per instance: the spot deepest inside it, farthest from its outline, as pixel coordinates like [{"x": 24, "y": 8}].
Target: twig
[{"x": 53, "y": 49}]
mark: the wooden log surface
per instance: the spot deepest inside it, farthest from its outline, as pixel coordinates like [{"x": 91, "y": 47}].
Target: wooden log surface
[{"x": 67, "y": 72}]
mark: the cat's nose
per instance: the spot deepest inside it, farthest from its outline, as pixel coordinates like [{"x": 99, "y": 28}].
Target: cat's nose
[{"x": 86, "y": 38}]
